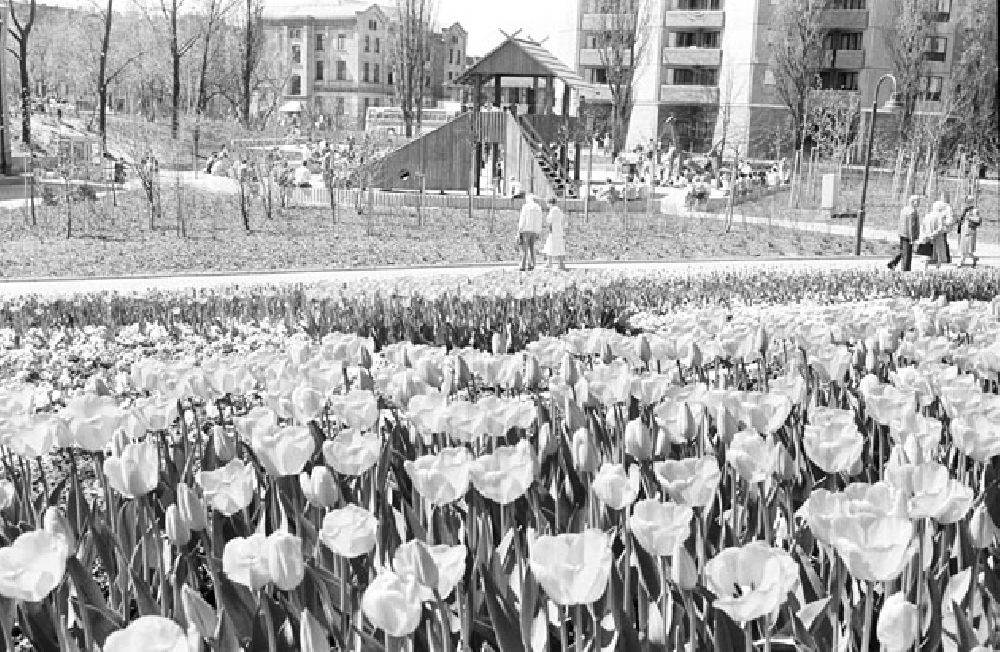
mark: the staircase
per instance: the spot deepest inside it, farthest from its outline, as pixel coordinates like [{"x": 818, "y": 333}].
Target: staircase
[{"x": 548, "y": 161}]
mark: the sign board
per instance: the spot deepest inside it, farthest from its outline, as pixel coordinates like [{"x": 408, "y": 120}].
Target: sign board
[{"x": 831, "y": 191}]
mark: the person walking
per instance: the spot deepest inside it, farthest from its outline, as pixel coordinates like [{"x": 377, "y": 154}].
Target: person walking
[
  {"x": 943, "y": 207},
  {"x": 555, "y": 244},
  {"x": 529, "y": 225},
  {"x": 932, "y": 236},
  {"x": 967, "y": 228},
  {"x": 909, "y": 231}
]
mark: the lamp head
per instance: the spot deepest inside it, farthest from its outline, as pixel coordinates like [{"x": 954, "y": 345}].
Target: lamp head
[{"x": 893, "y": 103}]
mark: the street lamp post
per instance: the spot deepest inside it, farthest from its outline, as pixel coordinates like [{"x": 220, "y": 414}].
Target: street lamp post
[{"x": 868, "y": 159}]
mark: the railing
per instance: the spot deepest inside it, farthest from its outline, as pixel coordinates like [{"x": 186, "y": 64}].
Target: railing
[{"x": 538, "y": 144}]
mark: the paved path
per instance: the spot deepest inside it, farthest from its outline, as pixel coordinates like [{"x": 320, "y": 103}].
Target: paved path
[{"x": 70, "y": 286}]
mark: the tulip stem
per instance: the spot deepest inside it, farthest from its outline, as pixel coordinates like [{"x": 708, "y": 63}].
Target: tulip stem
[
  {"x": 578, "y": 627},
  {"x": 563, "y": 638},
  {"x": 344, "y": 609},
  {"x": 748, "y": 636},
  {"x": 869, "y": 605}
]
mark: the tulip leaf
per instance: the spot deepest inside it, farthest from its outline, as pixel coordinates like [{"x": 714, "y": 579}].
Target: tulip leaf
[
  {"x": 144, "y": 598},
  {"x": 36, "y": 623},
  {"x": 992, "y": 495},
  {"x": 104, "y": 542},
  {"x": 967, "y": 638},
  {"x": 728, "y": 636},
  {"x": 237, "y": 606},
  {"x": 94, "y": 610},
  {"x": 628, "y": 638},
  {"x": 649, "y": 572},
  {"x": 503, "y": 615},
  {"x": 932, "y": 640}
]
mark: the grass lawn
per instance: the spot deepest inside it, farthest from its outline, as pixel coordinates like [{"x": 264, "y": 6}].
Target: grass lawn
[
  {"x": 881, "y": 209},
  {"x": 110, "y": 240}
]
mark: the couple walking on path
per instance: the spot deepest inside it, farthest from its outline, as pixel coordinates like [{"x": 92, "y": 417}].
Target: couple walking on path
[
  {"x": 929, "y": 236},
  {"x": 531, "y": 224}
]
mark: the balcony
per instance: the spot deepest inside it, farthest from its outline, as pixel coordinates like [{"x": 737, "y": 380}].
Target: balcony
[
  {"x": 595, "y": 57},
  {"x": 692, "y": 57},
  {"x": 846, "y": 59},
  {"x": 688, "y": 94},
  {"x": 844, "y": 18},
  {"x": 601, "y": 22},
  {"x": 695, "y": 19}
]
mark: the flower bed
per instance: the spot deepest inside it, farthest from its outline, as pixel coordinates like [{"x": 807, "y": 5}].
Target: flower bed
[{"x": 806, "y": 476}]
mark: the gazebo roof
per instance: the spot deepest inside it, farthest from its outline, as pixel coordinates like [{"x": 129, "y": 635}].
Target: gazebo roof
[{"x": 517, "y": 57}]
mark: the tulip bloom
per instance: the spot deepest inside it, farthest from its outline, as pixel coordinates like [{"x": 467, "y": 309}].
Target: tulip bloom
[
  {"x": 150, "y": 634},
  {"x": 285, "y": 451},
  {"x": 677, "y": 419},
  {"x": 33, "y": 435},
  {"x": 352, "y": 452},
  {"x": 506, "y": 474},
  {"x": 933, "y": 492},
  {"x": 874, "y": 548},
  {"x": 752, "y": 456},
  {"x": 392, "y": 604},
  {"x": 191, "y": 508},
  {"x": 443, "y": 478},
  {"x": 692, "y": 481},
  {"x": 307, "y": 404},
  {"x": 229, "y": 489},
  {"x": 92, "y": 420},
  {"x": 834, "y": 448},
  {"x": 244, "y": 561},
  {"x": 136, "y": 472},
  {"x": 614, "y": 487},
  {"x": 283, "y": 555},
  {"x": 32, "y": 566},
  {"x": 358, "y": 409},
  {"x": 898, "y": 623},
  {"x": 349, "y": 531},
  {"x": 977, "y": 435},
  {"x": 660, "y": 527},
  {"x": 449, "y": 566},
  {"x": 572, "y": 568},
  {"x": 764, "y": 412},
  {"x": 319, "y": 487},
  {"x": 751, "y": 582}
]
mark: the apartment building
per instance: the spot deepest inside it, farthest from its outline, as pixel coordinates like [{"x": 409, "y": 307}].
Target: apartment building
[
  {"x": 707, "y": 64},
  {"x": 336, "y": 57}
]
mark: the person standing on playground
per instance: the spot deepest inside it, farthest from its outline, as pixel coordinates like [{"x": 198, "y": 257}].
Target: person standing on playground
[
  {"x": 909, "y": 231},
  {"x": 529, "y": 225},
  {"x": 555, "y": 244}
]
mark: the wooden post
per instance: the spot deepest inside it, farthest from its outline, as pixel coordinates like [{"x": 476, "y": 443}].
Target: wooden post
[{"x": 477, "y": 162}]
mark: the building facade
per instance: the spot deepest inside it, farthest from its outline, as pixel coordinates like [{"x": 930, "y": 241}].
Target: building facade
[
  {"x": 336, "y": 58},
  {"x": 706, "y": 63}
]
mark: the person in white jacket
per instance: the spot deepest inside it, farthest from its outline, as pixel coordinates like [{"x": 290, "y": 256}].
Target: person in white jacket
[{"x": 529, "y": 226}]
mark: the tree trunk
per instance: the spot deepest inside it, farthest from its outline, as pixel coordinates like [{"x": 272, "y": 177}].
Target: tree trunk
[
  {"x": 102, "y": 82},
  {"x": 25, "y": 91}
]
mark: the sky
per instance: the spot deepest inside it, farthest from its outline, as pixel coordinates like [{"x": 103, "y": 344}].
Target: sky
[{"x": 483, "y": 19}]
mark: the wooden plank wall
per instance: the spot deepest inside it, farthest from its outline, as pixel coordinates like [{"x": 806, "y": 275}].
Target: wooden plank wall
[{"x": 445, "y": 155}]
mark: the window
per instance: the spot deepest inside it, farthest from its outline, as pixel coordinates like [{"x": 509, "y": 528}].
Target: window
[
  {"x": 341, "y": 42},
  {"x": 696, "y": 39},
  {"x": 319, "y": 71},
  {"x": 295, "y": 33},
  {"x": 847, "y": 81},
  {"x": 769, "y": 77},
  {"x": 341, "y": 71},
  {"x": 389, "y": 79},
  {"x": 378, "y": 44},
  {"x": 848, "y": 4},
  {"x": 599, "y": 75},
  {"x": 340, "y": 106},
  {"x": 375, "y": 73},
  {"x": 364, "y": 72},
  {"x": 451, "y": 56},
  {"x": 696, "y": 5},
  {"x": 930, "y": 89},
  {"x": 849, "y": 41},
  {"x": 319, "y": 42},
  {"x": 295, "y": 85},
  {"x": 373, "y": 25},
  {"x": 427, "y": 81},
  {"x": 368, "y": 44},
  {"x": 935, "y": 48},
  {"x": 454, "y": 40},
  {"x": 296, "y": 54},
  {"x": 942, "y": 12},
  {"x": 451, "y": 76},
  {"x": 696, "y": 76}
]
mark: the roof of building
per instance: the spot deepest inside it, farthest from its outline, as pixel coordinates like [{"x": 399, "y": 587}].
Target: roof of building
[
  {"x": 328, "y": 9},
  {"x": 520, "y": 57}
]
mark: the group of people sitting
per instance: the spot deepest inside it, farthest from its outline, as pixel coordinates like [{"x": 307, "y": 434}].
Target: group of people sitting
[{"x": 928, "y": 236}]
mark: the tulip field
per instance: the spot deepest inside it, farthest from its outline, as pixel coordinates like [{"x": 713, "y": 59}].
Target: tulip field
[{"x": 593, "y": 461}]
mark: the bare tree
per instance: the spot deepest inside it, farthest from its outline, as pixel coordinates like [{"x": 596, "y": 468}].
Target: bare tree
[
  {"x": 905, "y": 42},
  {"x": 216, "y": 12},
  {"x": 975, "y": 87},
  {"x": 21, "y": 31},
  {"x": 797, "y": 54},
  {"x": 251, "y": 51},
  {"x": 412, "y": 54},
  {"x": 621, "y": 43},
  {"x": 106, "y": 76},
  {"x": 178, "y": 46}
]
